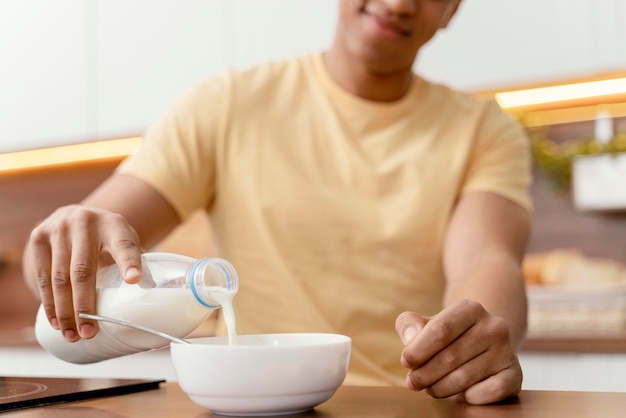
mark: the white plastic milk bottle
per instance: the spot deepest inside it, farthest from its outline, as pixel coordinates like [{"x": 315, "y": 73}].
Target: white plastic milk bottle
[{"x": 174, "y": 296}]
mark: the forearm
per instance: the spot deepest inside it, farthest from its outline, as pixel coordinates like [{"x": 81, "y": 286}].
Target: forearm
[{"x": 499, "y": 287}]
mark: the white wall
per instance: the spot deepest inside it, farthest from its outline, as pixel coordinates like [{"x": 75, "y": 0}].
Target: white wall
[
  {"x": 145, "y": 53},
  {"x": 43, "y": 72},
  {"x": 75, "y": 70},
  {"x": 499, "y": 43}
]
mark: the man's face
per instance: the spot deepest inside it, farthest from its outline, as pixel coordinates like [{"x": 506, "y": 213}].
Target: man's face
[{"x": 385, "y": 35}]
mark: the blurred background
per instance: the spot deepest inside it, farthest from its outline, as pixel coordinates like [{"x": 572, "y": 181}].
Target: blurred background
[
  {"x": 81, "y": 80},
  {"x": 72, "y": 70}
]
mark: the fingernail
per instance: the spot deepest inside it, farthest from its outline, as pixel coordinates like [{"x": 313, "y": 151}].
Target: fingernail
[
  {"x": 69, "y": 334},
  {"x": 55, "y": 323},
  {"x": 86, "y": 331},
  {"x": 408, "y": 334},
  {"x": 409, "y": 383},
  {"x": 132, "y": 273}
]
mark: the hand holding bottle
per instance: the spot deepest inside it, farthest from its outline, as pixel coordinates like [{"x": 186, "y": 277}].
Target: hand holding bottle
[
  {"x": 175, "y": 295},
  {"x": 65, "y": 251}
]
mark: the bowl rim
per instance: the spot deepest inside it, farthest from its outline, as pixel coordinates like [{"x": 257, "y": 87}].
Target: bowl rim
[{"x": 329, "y": 338}]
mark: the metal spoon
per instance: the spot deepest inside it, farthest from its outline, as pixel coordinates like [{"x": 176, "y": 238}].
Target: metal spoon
[{"x": 133, "y": 325}]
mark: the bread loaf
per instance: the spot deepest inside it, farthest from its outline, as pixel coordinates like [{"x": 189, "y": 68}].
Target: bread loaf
[{"x": 571, "y": 267}]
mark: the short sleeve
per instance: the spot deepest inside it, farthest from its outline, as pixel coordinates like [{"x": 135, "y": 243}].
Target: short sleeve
[
  {"x": 501, "y": 161},
  {"x": 177, "y": 155}
]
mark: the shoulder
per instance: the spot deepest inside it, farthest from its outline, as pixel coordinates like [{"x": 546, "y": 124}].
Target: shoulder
[
  {"x": 272, "y": 72},
  {"x": 484, "y": 113},
  {"x": 457, "y": 99},
  {"x": 247, "y": 79}
]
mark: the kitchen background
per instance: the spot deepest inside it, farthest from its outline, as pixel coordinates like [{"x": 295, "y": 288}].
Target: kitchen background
[{"x": 73, "y": 71}]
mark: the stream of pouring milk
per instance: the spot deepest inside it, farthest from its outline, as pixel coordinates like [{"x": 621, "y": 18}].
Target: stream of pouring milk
[{"x": 225, "y": 298}]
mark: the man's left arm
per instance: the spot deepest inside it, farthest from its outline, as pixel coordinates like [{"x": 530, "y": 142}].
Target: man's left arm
[
  {"x": 469, "y": 348},
  {"x": 483, "y": 253}
]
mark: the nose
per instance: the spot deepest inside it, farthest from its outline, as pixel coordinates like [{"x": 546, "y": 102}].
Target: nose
[{"x": 401, "y": 7}]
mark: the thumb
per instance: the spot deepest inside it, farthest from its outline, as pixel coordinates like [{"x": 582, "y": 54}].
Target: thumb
[
  {"x": 132, "y": 275},
  {"x": 408, "y": 325},
  {"x": 129, "y": 263}
]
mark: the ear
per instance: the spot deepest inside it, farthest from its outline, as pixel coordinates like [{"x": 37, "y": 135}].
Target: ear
[{"x": 452, "y": 8}]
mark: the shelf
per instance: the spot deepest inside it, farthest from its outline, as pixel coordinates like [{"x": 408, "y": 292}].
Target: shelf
[{"x": 577, "y": 344}]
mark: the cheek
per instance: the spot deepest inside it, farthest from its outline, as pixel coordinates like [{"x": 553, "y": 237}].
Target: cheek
[{"x": 351, "y": 7}]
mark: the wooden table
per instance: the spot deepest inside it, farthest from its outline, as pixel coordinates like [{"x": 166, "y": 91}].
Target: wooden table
[{"x": 364, "y": 402}]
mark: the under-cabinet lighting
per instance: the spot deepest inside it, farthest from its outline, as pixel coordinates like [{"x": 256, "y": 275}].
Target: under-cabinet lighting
[
  {"x": 561, "y": 93},
  {"x": 89, "y": 151}
]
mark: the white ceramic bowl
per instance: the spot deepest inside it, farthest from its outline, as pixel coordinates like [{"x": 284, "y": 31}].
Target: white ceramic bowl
[{"x": 265, "y": 374}]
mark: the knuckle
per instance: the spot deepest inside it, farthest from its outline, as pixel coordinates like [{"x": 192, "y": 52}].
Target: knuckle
[
  {"x": 462, "y": 379},
  {"x": 439, "y": 329},
  {"x": 473, "y": 307},
  {"x": 116, "y": 219},
  {"x": 81, "y": 271},
  {"x": 43, "y": 280},
  {"x": 59, "y": 279},
  {"x": 81, "y": 218},
  {"x": 126, "y": 244},
  {"x": 39, "y": 235},
  {"x": 125, "y": 236},
  {"x": 450, "y": 357},
  {"x": 65, "y": 318},
  {"x": 48, "y": 307},
  {"x": 469, "y": 303},
  {"x": 83, "y": 308},
  {"x": 498, "y": 329}
]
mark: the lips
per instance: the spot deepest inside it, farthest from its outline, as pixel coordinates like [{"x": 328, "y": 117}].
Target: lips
[{"x": 388, "y": 22}]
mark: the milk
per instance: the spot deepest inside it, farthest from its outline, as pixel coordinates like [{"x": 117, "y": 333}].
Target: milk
[
  {"x": 175, "y": 295},
  {"x": 169, "y": 310},
  {"x": 225, "y": 298}
]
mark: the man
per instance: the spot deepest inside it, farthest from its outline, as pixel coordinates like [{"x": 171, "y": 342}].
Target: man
[{"x": 348, "y": 192}]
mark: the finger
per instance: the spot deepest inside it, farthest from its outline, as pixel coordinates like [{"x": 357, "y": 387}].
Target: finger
[
  {"x": 42, "y": 256},
  {"x": 469, "y": 373},
  {"x": 123, "y": 245},
  {"x": 61, "y": 283},
  {"x": 440, "y": 331},
  {"x": 505, "y": 384},
  {"x": 408, "y": 324},
  {"x": 84, "y": 265},
  {"x": 444, "y": 366}
]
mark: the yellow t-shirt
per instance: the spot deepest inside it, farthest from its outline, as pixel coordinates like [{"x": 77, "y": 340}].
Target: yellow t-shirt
[{"x": 332, "y": 208}]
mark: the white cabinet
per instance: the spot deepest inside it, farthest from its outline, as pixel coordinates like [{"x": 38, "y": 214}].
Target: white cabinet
[
  {"x": 542, "y": 371},
  {"x": 600, "y": 372},
  {"x": 34, "y": 361},
  {"x": 43, "y": 73},
  {"x": 259, "y": 31},
  {"x": 146, "y": 54},
  {"x": 74, "y": 70},
  {"x": 496, "y": 43}
]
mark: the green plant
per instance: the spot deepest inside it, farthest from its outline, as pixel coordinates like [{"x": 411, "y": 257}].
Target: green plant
[{"x": 555, "y": 159}]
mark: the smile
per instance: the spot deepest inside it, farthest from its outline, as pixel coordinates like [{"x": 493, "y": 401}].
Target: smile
[{"x": 387, "y": 27}]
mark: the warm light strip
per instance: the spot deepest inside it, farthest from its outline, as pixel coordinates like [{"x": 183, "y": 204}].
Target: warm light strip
[
  {"x": 89, "y": 151},
  {"x": 561, "y": 93},
  {"x": 572, "y": 115},
  {"x": 123, "y": 147}
]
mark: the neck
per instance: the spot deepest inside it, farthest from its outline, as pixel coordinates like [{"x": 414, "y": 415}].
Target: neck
[{"x": 364, "y": 82}]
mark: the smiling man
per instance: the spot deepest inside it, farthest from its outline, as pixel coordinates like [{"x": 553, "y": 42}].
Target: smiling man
[{"x": 349, "y": 193}]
